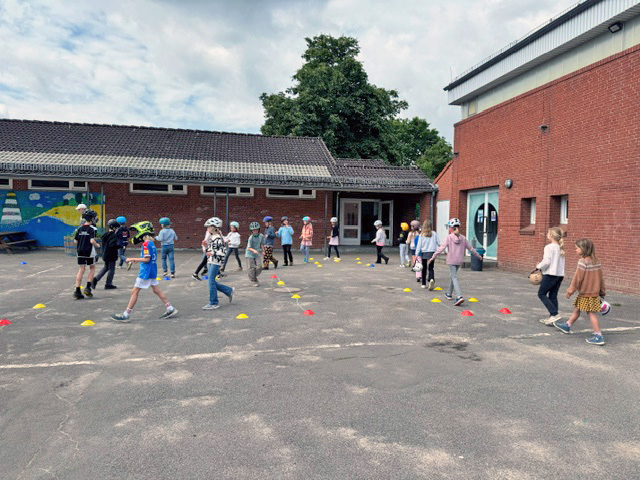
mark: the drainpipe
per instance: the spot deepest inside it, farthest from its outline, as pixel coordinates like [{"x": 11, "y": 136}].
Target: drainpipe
[
  {"x": 325, "y": 220},
  {"x": 434, "y": 192},
  {"x": 227, "y": 208}
]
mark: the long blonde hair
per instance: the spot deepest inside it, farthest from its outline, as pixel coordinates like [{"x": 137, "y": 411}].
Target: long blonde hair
[
  {"x": 557, "y": 235},
  {"x": 588, "y": 249},
  {"x": 427, "y": 229}
]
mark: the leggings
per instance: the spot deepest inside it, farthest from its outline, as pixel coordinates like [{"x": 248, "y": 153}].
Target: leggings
[
  {"x": 381, "y": 255},
  {"x": 231, "y": 250},
  {"x": 329, "y": 251},
  {"x": 202, "y": 265},
  {"x": 288, "y": 257},
  {"x": 427, "y": 269}
]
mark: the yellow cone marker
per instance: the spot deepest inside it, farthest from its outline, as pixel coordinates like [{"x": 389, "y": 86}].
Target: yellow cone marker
[
  {"x": 242, "y": 316},
  {"x": 311, "y": 259},
  {"x": 406, "y": 290},
  {"x": 158, "y": 278},
  {"x": 295, "y": 295},
  {"x": 316, "y": 263},
  {"x": 319, "y": 266},
  {"x": 368, "y": 264},
  {"x": 280, "y": 282},
  {"x": 40, "y": 305},
  {"x": 337, "y": 260},
  {"x": 359, "y": 263},
  {"x": 438, "y": 288},
  {"x": 358, "y": 258},
  {"x": 473, "y": 299},
  {"x": 87, "y": 323},
  {"x": 436, "y": 300}
]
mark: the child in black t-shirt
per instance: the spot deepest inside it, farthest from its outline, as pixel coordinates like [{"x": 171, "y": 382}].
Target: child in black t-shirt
[{"x": 86, "y": 244}]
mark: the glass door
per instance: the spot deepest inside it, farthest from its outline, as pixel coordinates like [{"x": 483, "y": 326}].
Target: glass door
[
  {"x": 350, "y": 222},
  {"x": 482, "y": 221},
  {"x": 386, "y": 216}
]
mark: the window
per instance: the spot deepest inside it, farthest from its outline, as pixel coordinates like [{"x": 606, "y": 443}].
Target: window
[
  {"x": 6, "y": 183},
  {"x": 50, "y": 184},
  {"x": 532, "y": 211},
  {"x": 564, "y": 209},
  {"x": 291, "y": 193},
  {"x": 527, "y": 215},
  {"x": 473, "y": 106},
  {"x": 176, "y": 189},
  {"x": 222, "y": 191}
]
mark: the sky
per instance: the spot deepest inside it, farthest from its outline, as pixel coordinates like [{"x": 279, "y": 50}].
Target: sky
[{"x": 202, "y": 64}]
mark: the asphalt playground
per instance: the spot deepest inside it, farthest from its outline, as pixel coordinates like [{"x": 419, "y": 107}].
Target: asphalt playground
[{"x": 378, "y": 382}]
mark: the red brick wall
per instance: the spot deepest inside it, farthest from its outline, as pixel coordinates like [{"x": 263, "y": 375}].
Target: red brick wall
[{"x": 591, "y": 152}]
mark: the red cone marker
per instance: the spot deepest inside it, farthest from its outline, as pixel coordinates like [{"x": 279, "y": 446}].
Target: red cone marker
[
  {"x": 4, "y": 321},
  {"x": 467, "y": 313},
  {"x": 505, "y": 310},
  {"x": 308, "y": 313}
]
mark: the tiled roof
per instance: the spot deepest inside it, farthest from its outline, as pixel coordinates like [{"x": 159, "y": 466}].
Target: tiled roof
[{"x": 146, "y": 153}]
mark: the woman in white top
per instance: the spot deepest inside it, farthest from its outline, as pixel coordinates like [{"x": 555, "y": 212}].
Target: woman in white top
[
  {"x": 428, "y": 243},
  {"x": 552, "y": 268}
]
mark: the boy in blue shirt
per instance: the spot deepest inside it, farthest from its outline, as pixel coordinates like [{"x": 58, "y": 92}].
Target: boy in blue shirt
[
  {"x": 286, "y": 237},
  {"x": 143, "y": 233}
]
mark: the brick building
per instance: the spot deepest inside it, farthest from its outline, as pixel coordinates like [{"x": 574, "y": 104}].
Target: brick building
[
  {"x": 47, "y": 168},
  {"x": 550, "y": 136}
]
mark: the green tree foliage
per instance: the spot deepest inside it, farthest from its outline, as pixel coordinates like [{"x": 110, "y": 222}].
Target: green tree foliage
[
  {"x": 333, "y": 99},
  {"x": 435, "y": 158}
]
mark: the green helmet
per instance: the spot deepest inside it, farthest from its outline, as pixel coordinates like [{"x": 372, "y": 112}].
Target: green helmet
[
  {"x": 254, "y": 226},
  {"x": 139, "y": 230}
]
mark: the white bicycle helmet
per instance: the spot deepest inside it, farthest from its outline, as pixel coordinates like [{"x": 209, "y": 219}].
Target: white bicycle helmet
[
  {"x": 213, "y": 222},
  {"x": 454, "y": 222},
  {"x": 377, "y": 222},
  {"x": 334, "y": 220},
  {"x": 417, "y": 267},
  {"x": 234, "y": 224}
]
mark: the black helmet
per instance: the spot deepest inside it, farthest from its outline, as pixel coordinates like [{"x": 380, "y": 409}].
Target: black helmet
[
  {"x": 90, "y": 215},
  {"x": 113, "y": 223}
]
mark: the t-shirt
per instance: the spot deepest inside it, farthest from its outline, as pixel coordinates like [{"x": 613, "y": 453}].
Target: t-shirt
[
  {"x": 123, "y": 235},
  {"x": 255, "y": 242},
  {"x": 148, "y": 269},
  {"x": 83, "y": 236}
]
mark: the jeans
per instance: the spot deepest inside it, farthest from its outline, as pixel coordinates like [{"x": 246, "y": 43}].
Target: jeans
[
  {"x": 428, "y": 272},
  {"x": 548, "y": 292},
  {"x": 109, "y": 267},
  {"x": 329, "y": 251},
  {"x": 255, "y": 268},
  {"x": 288, "y": 257},
  {"x": 381, "y": 255},
  {"x": 404, "y": 254},
  {"x": 215, "y": 286},
  {"x": 167, "y": 251},
  {"x": 121, "y": 255},
  {"x": 231, "y": 250},
  {"x": 305, "y": 249},
  {"x": 455, "y": 284}
]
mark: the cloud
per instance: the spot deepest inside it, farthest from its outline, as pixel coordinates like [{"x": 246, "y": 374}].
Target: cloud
[
  {"x": 34, "y": 196},
  {"x": 203, "y": 64}
]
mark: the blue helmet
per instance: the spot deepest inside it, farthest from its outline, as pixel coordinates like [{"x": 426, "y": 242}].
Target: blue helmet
[
  {"x": 165, "y": 221},
  {"x": 267, "y": 219},
  {"x": 121, "y": 220}
]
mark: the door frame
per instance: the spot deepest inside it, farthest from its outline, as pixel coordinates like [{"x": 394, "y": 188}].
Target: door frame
[
  {"x": 358, "y": 241},
  {"x": 486, "y": 192}
]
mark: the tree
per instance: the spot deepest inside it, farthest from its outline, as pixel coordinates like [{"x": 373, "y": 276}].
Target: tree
[
  {"x": 410, "y": 140},
  {"x": 435, "y": 158}
]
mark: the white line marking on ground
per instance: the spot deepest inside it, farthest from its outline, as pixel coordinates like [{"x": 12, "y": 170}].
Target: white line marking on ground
[{"x": 43, "y": 271}]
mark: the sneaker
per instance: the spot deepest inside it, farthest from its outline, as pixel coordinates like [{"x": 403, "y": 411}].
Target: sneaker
[
  {"x": 210, "y": 307},
  {"x": 173, "y": 275},
  {"x": 448, "y": 296},
  {"x": 418, "y": 280},
  {"x": 129, "y": 265},
  {"x": 423, "y": 286},
  {"x": 275, "y": 264},
  {"x": 285, "y": 264},
  {"x": 386, "y": 261},
  {"x": 563, "y": 327},
  {"x": 87, "y": 292},
  {"x": 94, "y": 282},
  {"x": 120, "y": 317},
  {"x": 239, "y": 269},
  {"x": 110, "y": 287},
  {"x": 595, "y": 339},
  {"x": 403, "y": 266},
  {"x": 255, "y": 284},
  {"x": 432, "y": 284},
  {"x": 196, "y": 276},
  {"x": 326, "y": 258},
  {"x": 550, "y": 319},
  {"x": 77, "y": 294},
  {"x": 459, "y": 301},
  {"x": 169, "y": 313},
  {"x": 165, "y": 274},
  {"x": 233, "y": 290}
]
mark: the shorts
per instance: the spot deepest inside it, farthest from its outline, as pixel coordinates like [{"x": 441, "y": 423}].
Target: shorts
[
  {"x": 86, "y": 261},
  {"x": 146, "y": 282}
]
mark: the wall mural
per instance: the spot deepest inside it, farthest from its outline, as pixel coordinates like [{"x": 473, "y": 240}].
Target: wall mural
[{"x": 46, "y": 216}]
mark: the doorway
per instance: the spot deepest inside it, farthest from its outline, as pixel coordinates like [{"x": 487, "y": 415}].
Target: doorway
[
  {"x": 357, "y": 217},
  {"x": 482, "y": 221}
]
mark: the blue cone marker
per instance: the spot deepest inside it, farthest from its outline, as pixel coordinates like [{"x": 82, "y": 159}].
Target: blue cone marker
[
  {"x": 206, "y": 277},
  {"x": 23, "y": 263},
  {"x": 373, "y": 266}
]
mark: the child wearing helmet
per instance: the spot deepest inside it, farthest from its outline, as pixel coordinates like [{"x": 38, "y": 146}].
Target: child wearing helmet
[
  {"x": 380, "y": 241},
  {"x": 285, "y": 233},
  {"x": 86, "y": 244},
  {"x": 142, "y": 233},
  {"x": 122, "y": 235},
  {"x": 306, "y": 237},
  {"x": 402, "y": 243},
  {"x": 334, "y": 238},
  {"x": 428, "y": 243},
  {"x": 269, "y": 240},
  {"x": 109, "y": 255},
  {"x": 414, "y": 231},
  {"x": 457, "y": 245},
  {"x": 167, "y": 238},
  {"x": 216, "y": 253},
  {"x": 233, "y": 241},
  {"x": 253, "y": 253}
]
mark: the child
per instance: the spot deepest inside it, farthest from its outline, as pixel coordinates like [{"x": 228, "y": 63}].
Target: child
[
  {"x": 233, "y": 241},
  {"x": 428, "y": 243},
  {"x": 143, "y": 233},
  {"x": 122, "y": 234},
  {"x": 80, "y": 208},
  {"x": 216, "y": 253},
  {"x": 402, "y": 242},
  {"x": 253, "y": 253},
  {"x": 86, "y": 244},
  {"x": 109, "y": 255},
  {"x": 416, "y": 257},
  {"x": 334, "y": 238},
  {"x": 411, "y": 238},
  {"x": 552, "y": 268},
  {"x": 269, "y": 240},
  {"x": 167, "y": 238},
  {"x": 306, "y": 237},
  {"x": 589, "y": 284},
  {"x": 203, "y": 263},
  {"x": 380, "y": 241},
  {"x": 457, "y": 244},
  {"x": 285, "y": 232}
]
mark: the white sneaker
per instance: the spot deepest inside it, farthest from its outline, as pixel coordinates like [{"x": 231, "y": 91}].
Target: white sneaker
[
  {"x": 550, "y": 319},
  {"x": 423, "y": 286},
  {"x": 326, "y": 258},
  {"x": 403, "y": 265}
]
